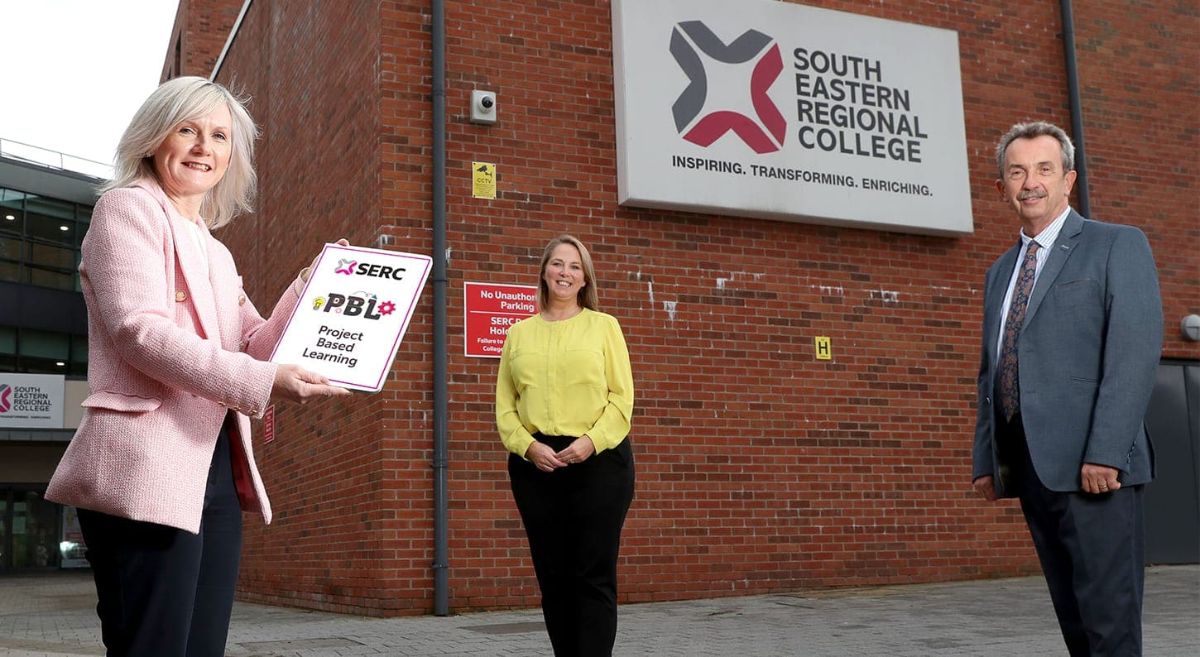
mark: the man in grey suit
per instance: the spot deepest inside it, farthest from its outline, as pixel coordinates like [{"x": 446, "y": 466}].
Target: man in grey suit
[{"x": 1072, "y": 334}]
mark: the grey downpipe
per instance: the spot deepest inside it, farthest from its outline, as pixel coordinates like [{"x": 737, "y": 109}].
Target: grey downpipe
[
  {"x": 441, "y": 459},
  {"x": 1081, "y": 183}
]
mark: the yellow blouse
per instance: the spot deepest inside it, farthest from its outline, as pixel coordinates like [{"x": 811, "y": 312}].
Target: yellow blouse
[{"x": 564, "y": 378}]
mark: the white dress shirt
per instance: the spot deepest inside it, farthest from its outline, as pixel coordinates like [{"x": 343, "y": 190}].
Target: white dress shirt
[{"x": 198, "y": 238}]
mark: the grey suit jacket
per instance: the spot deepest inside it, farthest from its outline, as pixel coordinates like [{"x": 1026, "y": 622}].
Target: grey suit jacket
[{"x": 1088, "y": 354}]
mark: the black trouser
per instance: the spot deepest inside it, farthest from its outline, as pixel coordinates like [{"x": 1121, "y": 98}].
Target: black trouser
[
  {"x": 573, "y": 517},
  {"x": 165, "y": 592},
  {"x": 1091, "y": 551}
]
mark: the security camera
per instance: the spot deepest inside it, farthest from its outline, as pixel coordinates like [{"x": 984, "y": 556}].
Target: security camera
[{"x": 483, "y": 107}]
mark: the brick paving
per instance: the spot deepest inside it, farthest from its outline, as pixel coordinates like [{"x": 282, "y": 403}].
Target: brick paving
[{"x": 53, "y": 616}]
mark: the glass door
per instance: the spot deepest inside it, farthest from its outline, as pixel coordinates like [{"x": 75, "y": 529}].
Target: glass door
[
  {"x": 29, "y": 531},
  {"x": 5, "y": 537}
]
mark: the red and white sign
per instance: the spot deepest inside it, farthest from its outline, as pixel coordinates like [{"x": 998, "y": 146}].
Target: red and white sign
[{"x": 488, "y": 312}]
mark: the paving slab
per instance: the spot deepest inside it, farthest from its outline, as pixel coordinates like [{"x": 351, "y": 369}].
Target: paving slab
[{"x": 54, "y": 616}]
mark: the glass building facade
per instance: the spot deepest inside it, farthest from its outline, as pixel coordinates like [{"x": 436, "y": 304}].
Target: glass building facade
[
  {"x": 45, "y": 212},
  {"x": 39, "y": 246}
]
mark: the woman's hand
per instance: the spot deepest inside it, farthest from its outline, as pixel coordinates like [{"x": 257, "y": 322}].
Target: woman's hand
[
  {"x": 578, "y": 451},
  {"x": 304, "y": 273},
  {"x": 543, "y": 456},
  {"x": 297, "y": 384}
]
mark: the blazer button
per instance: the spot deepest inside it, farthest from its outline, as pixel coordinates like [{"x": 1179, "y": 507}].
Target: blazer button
[
  {"x": 242, "y": 300},
  {"x": 181, "y": 296}
]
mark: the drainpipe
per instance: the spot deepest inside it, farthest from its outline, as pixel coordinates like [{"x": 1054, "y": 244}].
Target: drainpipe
[
  {"x": 1081, "y": 183},
  {"x": 441, "y": 459}
]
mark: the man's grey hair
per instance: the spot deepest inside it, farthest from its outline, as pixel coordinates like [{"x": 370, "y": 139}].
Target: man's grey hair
[{"x": 1036, "y": 129}]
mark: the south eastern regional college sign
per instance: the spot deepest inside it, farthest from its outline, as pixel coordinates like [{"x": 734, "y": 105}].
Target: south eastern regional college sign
[
  {"x": 489, "y": 309},
  {"x": 781, "y": 111},
  {"x": 31, "y": 401}
]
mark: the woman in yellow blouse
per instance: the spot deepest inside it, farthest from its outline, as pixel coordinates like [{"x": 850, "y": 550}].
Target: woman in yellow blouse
[{"x": 564, "y": 398}]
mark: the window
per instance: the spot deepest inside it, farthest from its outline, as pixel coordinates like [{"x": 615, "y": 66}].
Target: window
[
  {"x": 29, "y": 529},
  {"x": 49, "y": 220},
  {"x": 79, "y": 356},
  {"x": 12, "y": 229},
  {"x": 40, "y": 239},
  {"x": 12, "y": 212},
  {"x": 8, "y": 349},
  {"x": 9, "y": 271},
  {"x": 42, "y": 352}
]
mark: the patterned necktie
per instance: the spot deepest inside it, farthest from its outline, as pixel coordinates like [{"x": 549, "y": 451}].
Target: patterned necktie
[{"x": 1009, "y": 392}]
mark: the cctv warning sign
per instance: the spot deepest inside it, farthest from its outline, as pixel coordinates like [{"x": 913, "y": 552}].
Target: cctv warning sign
[{"x": 483, "y": 180}]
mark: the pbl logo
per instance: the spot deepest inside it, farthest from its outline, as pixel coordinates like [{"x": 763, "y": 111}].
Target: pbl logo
[
  {"x": 764, "y": 132},
  {"x": 354, "y": 305},
  {"x": 5, "y": 397}
]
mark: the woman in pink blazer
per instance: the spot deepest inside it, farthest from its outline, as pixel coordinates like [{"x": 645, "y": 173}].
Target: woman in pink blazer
[{"x": 162, "y": 464}]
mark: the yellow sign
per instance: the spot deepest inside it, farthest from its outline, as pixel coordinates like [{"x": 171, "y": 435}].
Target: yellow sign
[
  {"x": 483, "y": 180},
  {"x": 824, "y": 347}
]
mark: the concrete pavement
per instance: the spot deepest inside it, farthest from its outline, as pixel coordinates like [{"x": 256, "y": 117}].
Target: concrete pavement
[{"x": 54, "y": 616}]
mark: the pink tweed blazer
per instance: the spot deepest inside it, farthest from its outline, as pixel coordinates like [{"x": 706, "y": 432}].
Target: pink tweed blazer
[{"x": 174, "y": 346}]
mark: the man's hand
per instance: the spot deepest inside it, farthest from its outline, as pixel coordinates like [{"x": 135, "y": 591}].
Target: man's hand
[
  {"x": 985, "y": 487},
  {"x": 297, "y": 384},
  {"x": 1097, "y": 479}
]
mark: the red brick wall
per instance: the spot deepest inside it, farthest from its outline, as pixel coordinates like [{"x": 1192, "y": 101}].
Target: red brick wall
[
  {"x": 1139, "y": 86},
  {"x": 759, "y": 468},
  {"x": 201, "y": 29},
  {"x": 336, "y": 472}
]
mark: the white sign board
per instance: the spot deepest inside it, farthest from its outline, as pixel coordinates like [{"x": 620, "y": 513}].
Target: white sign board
[
  {"x": 781, "y": 111},
  {"x": 31, "y": 401},
  {"x": 353, "y": 313}
]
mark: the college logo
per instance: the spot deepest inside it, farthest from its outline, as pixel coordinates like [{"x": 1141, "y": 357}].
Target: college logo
[
  {"x": 5, "y": 397},
  {"x": 765, "y": 132},
  {"x": 356, "y": 268}
]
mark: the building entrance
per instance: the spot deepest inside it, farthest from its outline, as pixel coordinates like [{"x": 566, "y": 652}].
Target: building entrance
[
  {"x": 29, "y": 529},
  {"x": 1172, "y": 501}
]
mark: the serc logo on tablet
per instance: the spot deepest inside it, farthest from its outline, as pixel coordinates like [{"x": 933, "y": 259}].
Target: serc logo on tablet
[
  {"x": 356, "y": 268},
  {"x": 765, "y": 132}
]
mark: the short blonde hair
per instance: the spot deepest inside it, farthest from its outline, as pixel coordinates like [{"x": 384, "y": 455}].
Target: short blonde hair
[
  {"x": 587, "y": 297},
  {"x": 183, "y": 99}
]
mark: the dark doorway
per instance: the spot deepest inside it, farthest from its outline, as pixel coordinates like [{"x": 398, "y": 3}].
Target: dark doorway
[
  {"x": 29, "y": 530},
  {"x": 1173, "y": 498}
]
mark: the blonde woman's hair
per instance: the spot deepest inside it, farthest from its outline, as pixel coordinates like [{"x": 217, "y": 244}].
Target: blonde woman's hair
[
  {"x": 587, "y": 297},
  {"x": 184, "y": 99}
]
